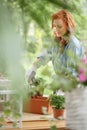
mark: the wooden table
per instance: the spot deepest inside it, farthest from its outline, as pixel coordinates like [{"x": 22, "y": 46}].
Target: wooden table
[{"x": 41, "y": 125}]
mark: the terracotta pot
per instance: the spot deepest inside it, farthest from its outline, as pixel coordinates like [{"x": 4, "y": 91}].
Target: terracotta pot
[
  {"x": 58, "y": 112},
  {"x": 37, "y": 104}
]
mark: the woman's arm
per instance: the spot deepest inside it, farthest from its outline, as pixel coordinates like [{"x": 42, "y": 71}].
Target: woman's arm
[{"x": 42, "y": 59}]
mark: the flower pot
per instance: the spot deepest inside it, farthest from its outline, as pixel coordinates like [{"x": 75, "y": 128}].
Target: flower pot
[
  {"x": 58, "y": 112},
  {"x": 76, "y": 109},
  {"x": 37, "y": 105}
]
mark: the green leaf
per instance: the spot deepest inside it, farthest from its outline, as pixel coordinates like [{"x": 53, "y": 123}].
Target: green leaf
[
  {"x": 7, "y": 104},
  {"x": 16, "y": 115},
  {"x": 7, "y": 112},
  {"x": 1, "y": 119},
  {"x": 53, "y": 127}
]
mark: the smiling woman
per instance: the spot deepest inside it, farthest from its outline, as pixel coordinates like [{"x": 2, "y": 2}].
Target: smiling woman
[{"x": 63, "y": 26}]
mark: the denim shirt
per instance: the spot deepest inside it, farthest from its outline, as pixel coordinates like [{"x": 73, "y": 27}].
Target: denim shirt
[{"x": 63, "y": 60}]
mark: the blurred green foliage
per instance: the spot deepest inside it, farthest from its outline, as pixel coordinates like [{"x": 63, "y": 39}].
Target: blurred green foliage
[
  {"x": 25, "y": 30},
  {"x": 38, "y": 13},
  {"x": 32, "y": 21}
]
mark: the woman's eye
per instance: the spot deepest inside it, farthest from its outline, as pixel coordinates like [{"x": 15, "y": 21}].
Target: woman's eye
[{"x": 59, "y": 26}]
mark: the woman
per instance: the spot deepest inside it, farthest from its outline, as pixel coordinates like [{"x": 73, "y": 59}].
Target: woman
[{"x": 65, "y": 44}]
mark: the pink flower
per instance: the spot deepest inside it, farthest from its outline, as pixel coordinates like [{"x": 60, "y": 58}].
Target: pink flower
[
  {"x": 81, "y": 70},
  {"x": 82, "y": 77},
  {"x": 84, "y": 60}
]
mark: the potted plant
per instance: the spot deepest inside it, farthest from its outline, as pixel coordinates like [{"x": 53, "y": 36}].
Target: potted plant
[
  {"x": 37, "y": 103},
  {"x": 57, "y": 102}
]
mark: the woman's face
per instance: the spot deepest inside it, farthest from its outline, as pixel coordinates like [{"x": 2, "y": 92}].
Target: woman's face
[{"x": 59, "y": 27}]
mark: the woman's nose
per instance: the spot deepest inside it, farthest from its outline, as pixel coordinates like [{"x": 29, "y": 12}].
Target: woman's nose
[{"x": 54, "y": 29}]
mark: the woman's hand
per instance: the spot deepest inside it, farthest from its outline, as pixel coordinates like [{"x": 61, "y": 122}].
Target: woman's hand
[{"x": 32, "y": 72}]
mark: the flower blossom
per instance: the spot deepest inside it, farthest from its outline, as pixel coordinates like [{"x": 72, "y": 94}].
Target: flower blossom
[
  {"x": 84, "y": 60},
  {"x": 82, "y": 74}
]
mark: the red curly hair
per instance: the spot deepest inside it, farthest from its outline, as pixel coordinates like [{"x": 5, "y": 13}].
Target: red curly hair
[{"x": 66, "y": 16}]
